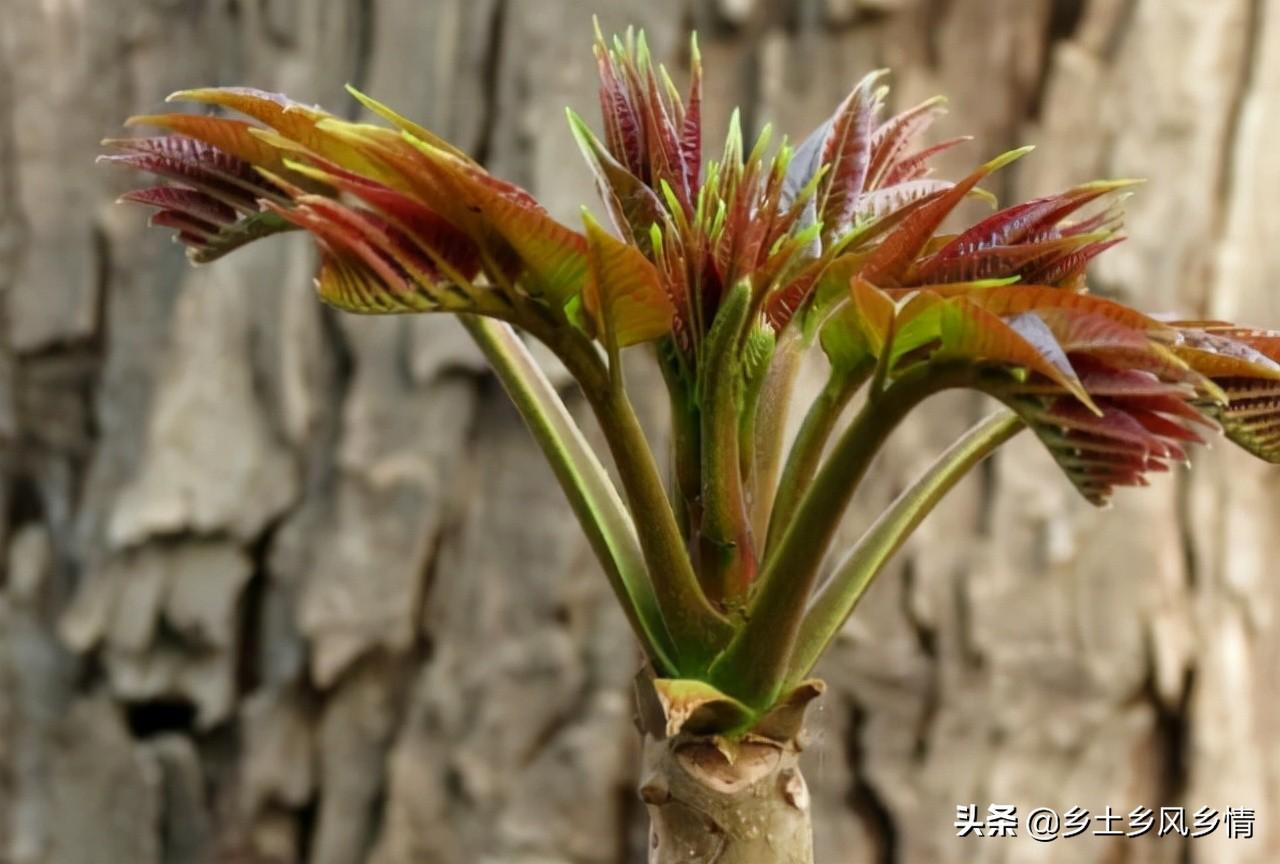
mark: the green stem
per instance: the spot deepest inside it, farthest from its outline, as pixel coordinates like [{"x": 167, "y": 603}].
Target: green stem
[
  {"x": 697, "y": 628},
  {"x": 886, "y": 535},
  {"x": 755, "y": 373},
  {"x": 754, "y": 665},
  {"x": 806, "y": 451},
  {"x": 686, "y": 448},
  {"x": 591, "y": 493},
  {"x": 771, "y": 426},
  {"x": 726, "y": 555}
]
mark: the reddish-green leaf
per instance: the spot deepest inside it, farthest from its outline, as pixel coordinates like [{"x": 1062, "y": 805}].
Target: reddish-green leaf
[
  {"x": 234, "y": 137},
  {"x": 915, "y": 166},
  {"x": 1029, "y": 220},
  {"x": 970, "y": 332},
  {"x": 623, "y": 293},
  {"x": 554, "y": 256},
  {"x": 899, "y": 249},
  {"x": 293, "y": 121},
  {"x": 893, "y": 137},
  {"x": 847, "y": 152},
  {"x": 406, "y": 125},
  {"x": 632, "y": 205}
]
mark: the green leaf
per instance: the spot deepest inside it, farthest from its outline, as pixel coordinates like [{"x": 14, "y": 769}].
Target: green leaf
[
  {"x": 857, "y": 332},
  {"x": 406, "y": 125}
]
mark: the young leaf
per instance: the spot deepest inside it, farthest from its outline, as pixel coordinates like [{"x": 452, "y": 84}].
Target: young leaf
[
  {"x": 633, "y": 206},
  {"x": 292, "y": 120},
  {"x": 890, "y": 261},
  {"x": 555, "y": 257},
  {"x": 847, "y": 150},
  {"x": 406, "y": 125},
  {"x": 234, "y": 137},
  {"x": 623, "y": 293},
  {"x": 214, "y": 202},
  {"x": 971, "y": 333},
  {"x": 894, "y": 135}
]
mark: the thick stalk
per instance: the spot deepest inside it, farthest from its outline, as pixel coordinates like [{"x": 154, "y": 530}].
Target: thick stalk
[
  {"x": 726, "y": 554},
  {"x": 754, "y": 666},
  {"x": 833, "y": 605},
  {"x": 704, "y": 809},
  {"x": 757, "y": 360},
  {"x": 686, "y": 450},
  {"x": 806, "y": 451},
  {"x": 697, "y": 629}
]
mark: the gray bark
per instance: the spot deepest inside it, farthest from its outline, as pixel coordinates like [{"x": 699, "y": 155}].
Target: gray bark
[{"x": 278, "y": 585}]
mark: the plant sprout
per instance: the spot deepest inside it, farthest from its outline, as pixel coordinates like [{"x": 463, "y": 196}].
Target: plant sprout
[{"x": 730, "y": 270}]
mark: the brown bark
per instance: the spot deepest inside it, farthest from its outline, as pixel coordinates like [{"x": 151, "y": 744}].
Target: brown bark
[{"x": 283, "y": 586}]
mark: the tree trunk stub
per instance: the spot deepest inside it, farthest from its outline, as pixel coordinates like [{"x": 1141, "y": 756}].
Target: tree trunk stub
[{"x": 713, "y": 804}]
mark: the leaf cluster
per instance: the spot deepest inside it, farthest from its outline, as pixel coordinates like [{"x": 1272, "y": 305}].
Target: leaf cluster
[{"x": 730, "y": 269}]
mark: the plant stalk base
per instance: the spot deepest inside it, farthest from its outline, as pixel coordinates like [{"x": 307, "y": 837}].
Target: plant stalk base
[{"x": 717, "y": 802}]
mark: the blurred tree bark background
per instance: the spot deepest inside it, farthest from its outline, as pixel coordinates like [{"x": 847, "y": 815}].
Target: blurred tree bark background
[{"x": 278, "y": 585}]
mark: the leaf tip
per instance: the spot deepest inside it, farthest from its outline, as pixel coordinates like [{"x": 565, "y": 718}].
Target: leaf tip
[
  {"x": 587, "y": 219},
  {"x": 874, "y": 76},
  {"x": 1011, "y": 156}
]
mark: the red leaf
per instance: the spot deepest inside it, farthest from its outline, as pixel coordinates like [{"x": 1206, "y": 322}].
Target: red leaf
[
  {"x": 691, "y": 128},
  {"x": 900, "y": 248},
  {"x": 895, "y": 134},
  {"x": 234, "y": 137},
  {"x": 419, "y": 223},
  {"x": 916, "y": 165},
  {"x": 1025, "y": 221},
  {"x": 996, "y": 262},
  {"x": 197, "y": 165},
  {"x": 847, "y": 150},
  {"x": 622, "y": 124},
  {"x": 197, "y": 204}
]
